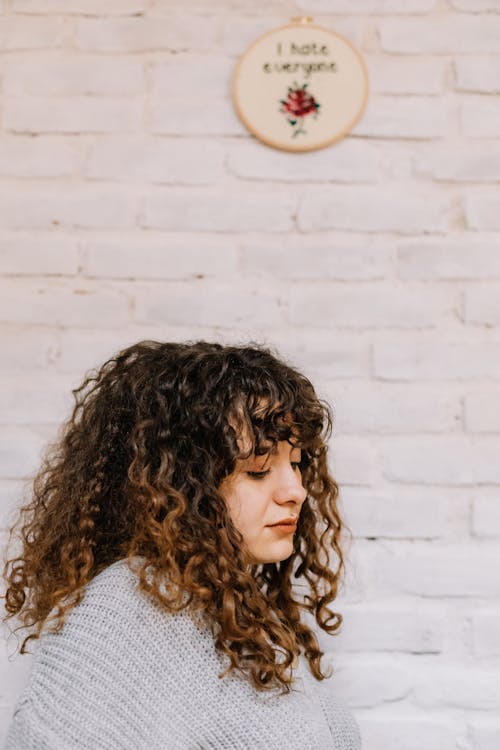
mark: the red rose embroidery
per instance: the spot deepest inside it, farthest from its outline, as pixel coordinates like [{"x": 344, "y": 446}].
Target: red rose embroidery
[{"x": 298, "y": 104}]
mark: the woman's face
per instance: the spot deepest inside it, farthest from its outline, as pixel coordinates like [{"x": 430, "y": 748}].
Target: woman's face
[{"x": 261, "y": 491}]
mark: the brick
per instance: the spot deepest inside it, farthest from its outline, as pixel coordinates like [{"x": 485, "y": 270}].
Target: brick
[
  {"x": 441, "y": 35},
  {"x": 482, "y": 411},
  {"x": 366, "y": 6},
  {"x": 188, "y": 76},
  {"x": 397, "y": 117},
  {"x": 354, "y": 461},
  {"x": 368, "y": 681},
  {"x": 239, "y": 32},
  {"x": 398, "y": 159},
  {"x": 20, "y": 452},
  {"x": 416, "y": 629},
  {"x": 349, "y": 161},
  {"x": 368, "y": 306},
  {"x": 451, "y": 259},
  {"x": 408, "y": 732},
  {"x": 394, "y": 514},
  {"x": 11, "y": 496},
  {"x": 57, "y": 304},
  {"x": 46, "y": 206},
  {"x": 485, "y": 733},
  {"x": 64, "y": 74},
  {"x": 316, "y": 258},
  {"x": 156, "y": 160},
  {"x": 196, "y": 116},
  {"x": 456, "y": 503},
  {"x": 37, "y": 157},
  {"x": 475, "y": 164},
  {"x": 79, "y": 351},
  {"x": 24, "y": 348},
  {"x": 325, "y": 354},
  {"x": 482, "y": 305},
  {"x": 405, "y": 76},
  {"x": 435, "y": 358},
  {"x": 24, "y": 401},
  {"x": 161, "y": 258},
  {"x": 38, "y": 255},
  {"x": 451, "y": 460},
  {"x": 146, "y": 34},
  {"x": 481, "y": 74},
  {"x": 356, "y": 574},
  {"x": 190, "y": 209},
  {"x": 368, "y": 209},
  {"x": 486, "y": 633},
  {"x": 31, "y": 33},
  {"x": 84, "y": 7},
  {"x": 454, "y": 570},
  {"x": 481, "y": 210},
  {"x": 475, "y": 6},
  {"x": 207, "y": 304},
  {"x": 72, "y": 115},
  {"x": 480, "y": 117},
  {"x": 486, "y": 516},
  {"x": 454, "y": 687},
  {"x": 164, "y": 7}
]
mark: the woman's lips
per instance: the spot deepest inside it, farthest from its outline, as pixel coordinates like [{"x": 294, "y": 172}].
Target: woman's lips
[{"x": 284, "y": 528}]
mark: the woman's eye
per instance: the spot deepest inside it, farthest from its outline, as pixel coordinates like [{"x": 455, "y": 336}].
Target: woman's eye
[
  {"x": 261, "y": 474},
  {"x": 257, "y": 474}
]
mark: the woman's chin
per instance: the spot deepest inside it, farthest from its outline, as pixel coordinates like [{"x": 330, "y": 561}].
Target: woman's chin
[{"x": 275, "y": 555}]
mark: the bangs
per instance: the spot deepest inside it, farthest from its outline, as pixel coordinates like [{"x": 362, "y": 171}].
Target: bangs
[{"x": 264, "y": 419}]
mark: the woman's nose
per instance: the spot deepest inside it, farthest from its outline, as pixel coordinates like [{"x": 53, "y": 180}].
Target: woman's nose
[{"x": 290, "y": 487}]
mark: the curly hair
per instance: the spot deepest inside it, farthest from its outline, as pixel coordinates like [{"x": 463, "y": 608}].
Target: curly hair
[{"x": 135, "y": 473}]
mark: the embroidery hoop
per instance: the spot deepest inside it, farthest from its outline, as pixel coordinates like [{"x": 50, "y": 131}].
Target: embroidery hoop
[{"x": 256, "y": 92}]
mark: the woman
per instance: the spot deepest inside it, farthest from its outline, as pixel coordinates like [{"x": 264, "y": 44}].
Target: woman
[{"x": 152, "y": 559}]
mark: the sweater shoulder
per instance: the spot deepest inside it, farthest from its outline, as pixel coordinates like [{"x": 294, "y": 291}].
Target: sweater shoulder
[
  {"x": 117, "y": 582},
  {"x": 110, "y": 601},
  {"x": 114, "y": 605},
  {"x": 95, "y": 683}
]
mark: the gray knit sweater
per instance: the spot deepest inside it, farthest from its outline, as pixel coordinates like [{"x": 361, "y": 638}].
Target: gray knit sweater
[{"x": 125, "y": 675}]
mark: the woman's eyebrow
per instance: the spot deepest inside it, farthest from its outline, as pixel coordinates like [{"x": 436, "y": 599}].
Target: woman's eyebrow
[{"x": 256, "y": 457}]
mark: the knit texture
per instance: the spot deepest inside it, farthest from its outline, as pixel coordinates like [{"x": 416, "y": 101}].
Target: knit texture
[{"x": 124, "y": 674}]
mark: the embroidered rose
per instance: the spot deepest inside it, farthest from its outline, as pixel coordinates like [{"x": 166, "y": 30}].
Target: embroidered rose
[{"x": 298, "y": 104}]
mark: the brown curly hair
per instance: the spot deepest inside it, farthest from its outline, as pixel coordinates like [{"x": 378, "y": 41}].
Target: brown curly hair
[{"x": 136, "y": 471}]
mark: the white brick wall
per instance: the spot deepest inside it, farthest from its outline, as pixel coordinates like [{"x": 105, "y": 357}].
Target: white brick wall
[{"x": 134, "y": 204}]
